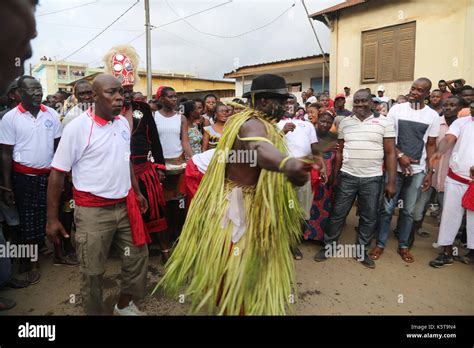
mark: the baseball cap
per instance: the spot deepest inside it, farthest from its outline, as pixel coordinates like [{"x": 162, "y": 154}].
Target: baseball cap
[
  {"x": 381, "y": 88},
  {"x": 340, "y": 95},
  {"x": 376, "y": 100}
]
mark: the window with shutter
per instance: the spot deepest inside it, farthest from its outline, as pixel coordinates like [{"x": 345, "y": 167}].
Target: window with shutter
[{"x": 388, "y": 54}]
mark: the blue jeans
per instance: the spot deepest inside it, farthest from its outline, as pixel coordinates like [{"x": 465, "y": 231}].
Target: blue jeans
[
  {"x": 5, "y": 264},
  {"x": 408, "y": 190},
  {"x": 367, "y": 192},
  {"x": 423, "y": 203}
]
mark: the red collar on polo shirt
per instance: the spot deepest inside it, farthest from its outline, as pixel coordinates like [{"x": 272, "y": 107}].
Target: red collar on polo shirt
[
  {"x": 97, "y": 119},
  {"x": 22, "y": 109}
]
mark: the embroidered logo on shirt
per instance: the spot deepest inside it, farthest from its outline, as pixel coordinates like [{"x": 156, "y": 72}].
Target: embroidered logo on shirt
[
  {"x": 125, "y": 135},
  {"x": 48, "y": 123}
]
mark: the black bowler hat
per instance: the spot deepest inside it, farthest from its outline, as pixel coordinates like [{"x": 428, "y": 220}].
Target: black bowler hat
[{"x": 268, "y": 84}]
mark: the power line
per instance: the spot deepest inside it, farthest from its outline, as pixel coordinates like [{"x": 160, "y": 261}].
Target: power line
[
  {"x": 232, "y": 36},
  {"x": 107, "y": 27},
  {"x": 66, "y": 9},
  {"x": 174, "y": 21},
  {"x": 84, "y": 27},
  {"x": 193, "y": 14},
  {"x": 190, "y": 44}
]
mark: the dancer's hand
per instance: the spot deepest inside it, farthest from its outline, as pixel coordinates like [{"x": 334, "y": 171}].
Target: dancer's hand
[{"x": 297, "y": 171}]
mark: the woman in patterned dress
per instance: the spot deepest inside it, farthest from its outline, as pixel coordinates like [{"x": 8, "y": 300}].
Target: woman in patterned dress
[
  {"x": 323, "y": 193},
  {"x": 192, "y": 115}
]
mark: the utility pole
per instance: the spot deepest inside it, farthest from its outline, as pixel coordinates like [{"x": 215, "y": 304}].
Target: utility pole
[
  {"x": 149, "y": 92},
  {"x": 326, "y": 65}
]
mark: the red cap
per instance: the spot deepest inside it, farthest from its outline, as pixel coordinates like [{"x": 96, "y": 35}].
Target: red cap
[
  {"x": 158, "y": 92},
  {"x": 340, "y": 95}
]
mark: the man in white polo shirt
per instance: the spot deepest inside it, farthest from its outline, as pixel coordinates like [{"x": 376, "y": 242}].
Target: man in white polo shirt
[
  {"x": 96, "y": 147},
  {"x": 29, "y": 134},
  {"x": 458, "y": 189},
  {"x": 302, "y": 142},
  {"x": 417, "y": 127},
  {"x": 365, "y": 141},
  {"x": 381, "y": 92}
]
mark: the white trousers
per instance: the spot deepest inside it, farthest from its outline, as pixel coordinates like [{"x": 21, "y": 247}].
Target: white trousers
[{"x": 452, "y": 215}]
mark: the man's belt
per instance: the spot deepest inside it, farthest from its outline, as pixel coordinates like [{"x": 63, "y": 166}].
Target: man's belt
[{"x": 22, "y": 169}]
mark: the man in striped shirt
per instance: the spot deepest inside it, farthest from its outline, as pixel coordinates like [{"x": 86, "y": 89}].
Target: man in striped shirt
[{"x": 365, "y": 141}]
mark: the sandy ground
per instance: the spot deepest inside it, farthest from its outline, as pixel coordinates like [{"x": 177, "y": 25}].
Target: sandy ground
[{"x": 334, "y": 287}]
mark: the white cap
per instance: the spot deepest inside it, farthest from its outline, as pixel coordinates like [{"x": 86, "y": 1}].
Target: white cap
[{"x": 381, "y": 88}]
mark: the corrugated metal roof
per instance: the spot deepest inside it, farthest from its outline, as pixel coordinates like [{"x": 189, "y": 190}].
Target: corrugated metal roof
[
  {"x": 346, "y": 4},
  {"x": 276, "y": 62}
]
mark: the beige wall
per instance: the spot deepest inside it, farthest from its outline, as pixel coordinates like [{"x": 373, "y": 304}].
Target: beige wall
[
  {"x": 443, "y": 48},
  {"x": 182, "y": 84}
]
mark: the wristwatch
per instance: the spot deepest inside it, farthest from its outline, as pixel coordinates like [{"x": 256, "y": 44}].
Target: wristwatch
[
  {"x": 431, "y": 170},
  {"x": 400, "y": 155}
]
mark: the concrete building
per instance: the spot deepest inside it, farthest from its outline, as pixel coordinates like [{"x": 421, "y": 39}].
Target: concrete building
[
  {"x": 57, "y": 75},
  {"x": 299, "y": 73},
  {"x": 392, "y": 42},
  {"x": 61, "y": 75}
]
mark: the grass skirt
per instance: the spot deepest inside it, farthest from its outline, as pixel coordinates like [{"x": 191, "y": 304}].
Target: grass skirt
[{"x": 255, "y": 275}]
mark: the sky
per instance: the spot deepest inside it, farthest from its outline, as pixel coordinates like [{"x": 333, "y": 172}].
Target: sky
[{"x": 186, "y": 46}]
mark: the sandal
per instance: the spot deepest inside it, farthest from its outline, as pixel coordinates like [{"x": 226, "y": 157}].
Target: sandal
[
  {"x": 14, "y": 283},
  {"x": 69, "y": 260},
  {"x": 297, "y": 255},
  {"x": 33, "y": 276},
  {"x": 375, "y": 253},
  {"x": 423, "y": 233},
  {"x": 406, "y": 255}
]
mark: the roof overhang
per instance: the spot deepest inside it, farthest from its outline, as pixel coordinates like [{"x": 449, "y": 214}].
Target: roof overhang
[
  {"x": 288, "y": 65},
  {"x": 329, "y": 13}
]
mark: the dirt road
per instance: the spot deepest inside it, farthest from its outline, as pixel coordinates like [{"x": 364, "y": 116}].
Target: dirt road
[{"x": 334, "y": 287}]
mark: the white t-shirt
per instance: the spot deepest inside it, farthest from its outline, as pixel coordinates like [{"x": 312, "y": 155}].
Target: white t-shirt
[
  {"x": 76, "y": 111},
  {"x": 349, "y": 103},
  {"x": 363, "y": 152},
  {"x": 462, "y": 157},
  {"x": 299, "y": 141},
  {"x": 98, "y": 153},
  {"x": 169, "y": 130},
  {"x": 312, "y": 99},
  {"x": 32, "y": 138},
  {"x": 413, "y": 127}
]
